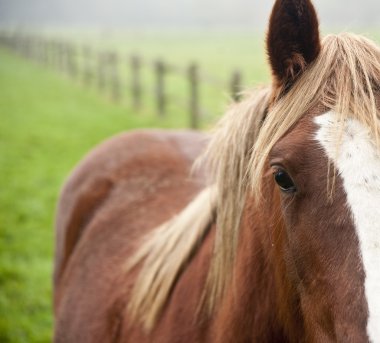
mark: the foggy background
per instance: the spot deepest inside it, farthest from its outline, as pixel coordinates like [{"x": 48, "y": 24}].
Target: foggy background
[{"x": 199, "y": 14}]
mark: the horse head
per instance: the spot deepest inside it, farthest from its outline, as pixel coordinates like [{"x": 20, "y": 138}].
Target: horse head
[{"x": 319, "y": 152}]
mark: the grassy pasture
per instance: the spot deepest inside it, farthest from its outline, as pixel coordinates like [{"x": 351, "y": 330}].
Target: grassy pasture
[{"x": 48, "y": 122}]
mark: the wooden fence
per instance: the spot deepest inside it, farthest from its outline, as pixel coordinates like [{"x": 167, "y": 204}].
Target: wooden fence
[{"x": 94, "y": 67}]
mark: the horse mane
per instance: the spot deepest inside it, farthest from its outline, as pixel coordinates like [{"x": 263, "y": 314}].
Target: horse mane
[
  {"x": 345, "y": 78},
  {"x": 165, "y": 252}
]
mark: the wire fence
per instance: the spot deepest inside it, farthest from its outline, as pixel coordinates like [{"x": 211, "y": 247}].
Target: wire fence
[{"x": 99, "y": 68}]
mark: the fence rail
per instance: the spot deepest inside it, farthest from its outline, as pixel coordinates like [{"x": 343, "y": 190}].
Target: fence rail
[{"x": 101, "y": 69}]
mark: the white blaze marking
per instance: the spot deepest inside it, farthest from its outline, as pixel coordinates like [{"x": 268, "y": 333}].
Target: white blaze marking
[{"x": 358, "y": 164}]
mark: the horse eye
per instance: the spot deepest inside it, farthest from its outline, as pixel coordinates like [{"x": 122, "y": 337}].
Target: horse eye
[{"x": 284, "y": 181}]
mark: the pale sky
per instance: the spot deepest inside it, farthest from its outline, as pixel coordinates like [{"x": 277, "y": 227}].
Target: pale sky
[{"x": 176, "y": 13}]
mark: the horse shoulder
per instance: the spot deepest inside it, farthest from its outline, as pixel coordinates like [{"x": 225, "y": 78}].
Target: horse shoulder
[{"x": 133, "y": 181}]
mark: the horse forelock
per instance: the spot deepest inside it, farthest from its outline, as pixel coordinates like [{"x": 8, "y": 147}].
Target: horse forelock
[{"x": 344, "y": 78}]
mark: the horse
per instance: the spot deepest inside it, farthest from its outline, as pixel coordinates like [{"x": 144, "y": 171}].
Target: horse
[{"x": 273, "y": 235}]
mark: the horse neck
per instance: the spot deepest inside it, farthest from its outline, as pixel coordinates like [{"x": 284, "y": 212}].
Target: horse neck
[{"x": 261, "y": 302}]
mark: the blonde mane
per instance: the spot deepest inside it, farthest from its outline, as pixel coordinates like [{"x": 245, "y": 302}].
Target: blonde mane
[{"x": 344, "y": 78}]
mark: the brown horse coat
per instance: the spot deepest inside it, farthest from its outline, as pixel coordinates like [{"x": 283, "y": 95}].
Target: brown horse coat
[{"x": 107, "y": 205}]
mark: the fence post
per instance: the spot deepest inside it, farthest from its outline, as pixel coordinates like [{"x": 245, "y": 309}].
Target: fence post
[
  {"x": 160, "y": 88},
  {"x": 193, "y": 74},
  {"x": 59, "y": 56},
  {"x": 71, "y": 60},
  {"x": 66, "y": 63},
  {"x": 45, "y": 52},
  {"x": 57, "y": 53},
  {"x": 63, "y": 57},
  {"x": 113, "y": 70},
  {"x": 101, "y": 71},
  {"x": 41, "y": 50},
  {"x": 37, "y": 49},
  {"x": 31, "y": 50},
  {"x": 86, "y": 63},
  {"x": 136, "y": 82},
  {"x": 28, "y": 47},
  {"x": 236, "y": 85},
  {"x": 52, "y": 53}
]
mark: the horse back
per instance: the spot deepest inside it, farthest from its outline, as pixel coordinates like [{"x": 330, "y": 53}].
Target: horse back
[{"x": 124, "y": 188}]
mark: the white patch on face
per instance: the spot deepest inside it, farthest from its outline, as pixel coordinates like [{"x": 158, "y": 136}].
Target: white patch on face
[{"x": 358, "y": 163}]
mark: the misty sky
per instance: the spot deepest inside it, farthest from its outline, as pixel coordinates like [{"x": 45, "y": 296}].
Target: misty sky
[{"x": 252, "y": 14}]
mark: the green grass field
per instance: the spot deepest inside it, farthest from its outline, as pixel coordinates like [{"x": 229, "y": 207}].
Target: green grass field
[{"x": 48, "y": 122}]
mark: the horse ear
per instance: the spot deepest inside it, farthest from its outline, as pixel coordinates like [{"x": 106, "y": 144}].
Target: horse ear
[{"x": 293, "y": 40}]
